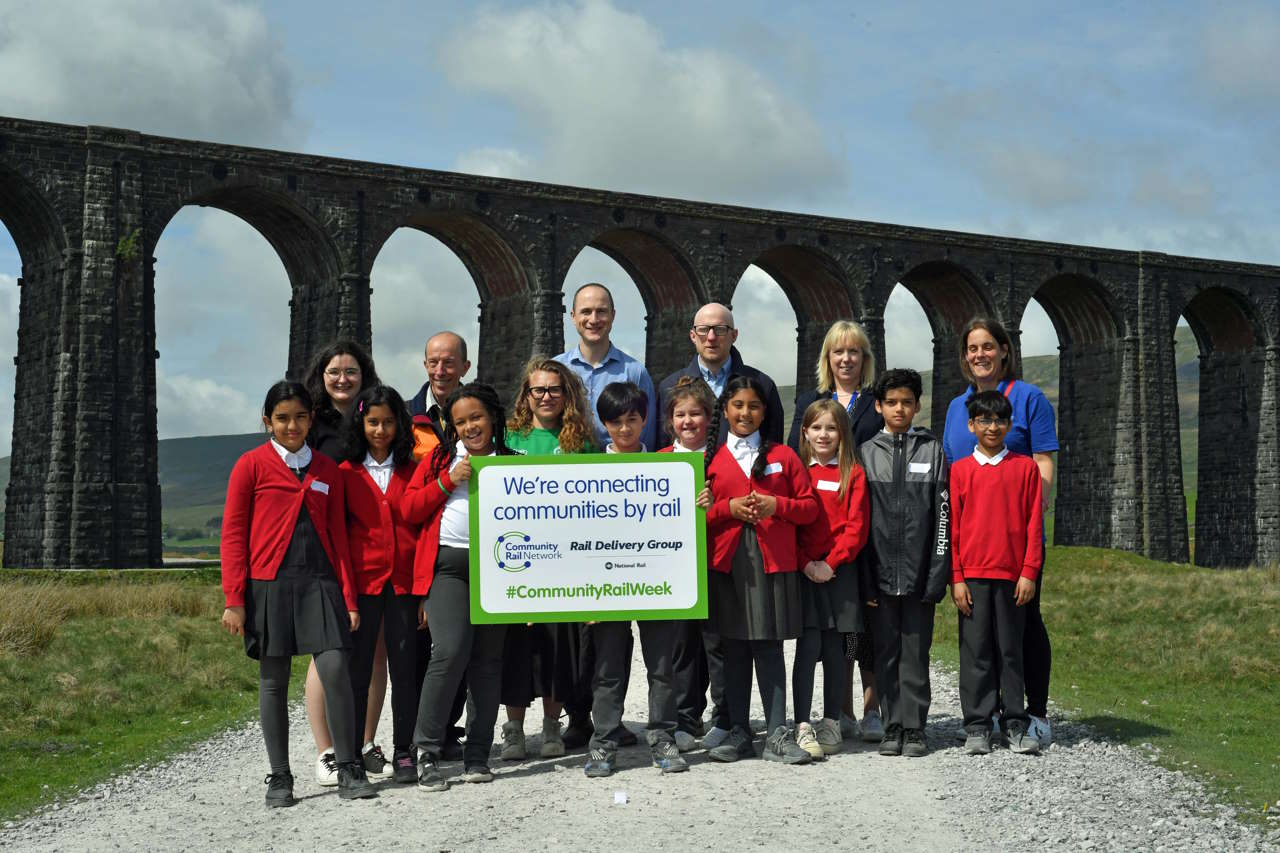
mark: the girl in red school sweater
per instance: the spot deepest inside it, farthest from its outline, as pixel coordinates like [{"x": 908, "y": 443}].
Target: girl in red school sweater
[
  {"x": 378, "y": 445},
  {"x": 437, "y": 498},
  {"x": 762, "y": 494},
  {"x": 287, "y": 577},
  {"x": 829, "y": 590}
]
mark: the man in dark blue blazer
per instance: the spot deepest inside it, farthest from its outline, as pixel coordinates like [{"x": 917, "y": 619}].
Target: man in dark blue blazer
[{"x": 713, "y": 335}]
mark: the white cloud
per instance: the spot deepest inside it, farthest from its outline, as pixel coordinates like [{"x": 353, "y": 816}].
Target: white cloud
[
  {"x": 494, "y": 162},
  {"x": 611, "y": 104},
  {"x": 766, "y": 324},
  {"x": 193, "y": 405},
  {"x": 908, "y": 338},
  {"x": 1237, "y": 66},
  {"x": 628, "y": 332},
  {"x": 208, "y": 70}
]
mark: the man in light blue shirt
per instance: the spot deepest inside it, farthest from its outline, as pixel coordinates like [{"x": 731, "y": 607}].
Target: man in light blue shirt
[{"x": 597, "y": 362}]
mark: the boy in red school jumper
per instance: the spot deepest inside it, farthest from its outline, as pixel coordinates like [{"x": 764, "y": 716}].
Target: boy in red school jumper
[{"x": 997, "y": 552}]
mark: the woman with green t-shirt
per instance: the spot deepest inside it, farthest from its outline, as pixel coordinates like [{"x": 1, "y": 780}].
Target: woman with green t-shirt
[{"x": 550, "y": 416}]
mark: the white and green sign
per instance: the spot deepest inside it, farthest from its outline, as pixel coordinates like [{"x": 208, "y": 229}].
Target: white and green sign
[{"x": 592, "y": 537}]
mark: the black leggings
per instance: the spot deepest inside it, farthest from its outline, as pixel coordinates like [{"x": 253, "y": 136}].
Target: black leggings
[
  {"x": 1037, "y": 657},
  {"x": 273, "y": 705},
  {"x": 771, "y": 676},
  {"x": 395, "y": 616},
  {"x": 828, "y": 646}
]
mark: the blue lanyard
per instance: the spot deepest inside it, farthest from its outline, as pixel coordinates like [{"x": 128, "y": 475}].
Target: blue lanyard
[{"x": 852, "y": 399}]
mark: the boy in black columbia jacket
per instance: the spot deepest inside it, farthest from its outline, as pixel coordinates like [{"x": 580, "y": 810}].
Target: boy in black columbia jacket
[{"x": 908, "y": 557}]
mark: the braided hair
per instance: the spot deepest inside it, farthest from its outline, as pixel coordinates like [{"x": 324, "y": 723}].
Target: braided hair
[
  {"x": 443, "y": 455},
  {"x": 737, "y": 383}
]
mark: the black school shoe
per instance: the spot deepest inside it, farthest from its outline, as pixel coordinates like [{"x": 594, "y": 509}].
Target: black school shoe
[
  {"x": 913, "y": 744},
  {"x": 892, "y": 743},
  {"x": 736, "y": 745},
  {"x": 353, "y": 784},
  {"x": 429, "y": 778},
  {"x": 666, "y": 757},
  {"x": 578, "y": 733},
  {"x": 404, "y": 767},
  {"x": 781, "y": 746},
  {"x": 280, "y": 790},
  {"x": 600, "y": 764}
]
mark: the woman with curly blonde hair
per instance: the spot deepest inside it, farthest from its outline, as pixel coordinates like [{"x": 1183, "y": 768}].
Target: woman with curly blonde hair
[{"x": 550, "y": 416}]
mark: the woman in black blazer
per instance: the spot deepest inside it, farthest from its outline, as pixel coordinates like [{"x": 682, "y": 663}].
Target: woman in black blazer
[{"x": 846, "y": 371}]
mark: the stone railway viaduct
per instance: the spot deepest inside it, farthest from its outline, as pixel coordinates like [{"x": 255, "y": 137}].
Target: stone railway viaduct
[{"x": 87, "y": 205}]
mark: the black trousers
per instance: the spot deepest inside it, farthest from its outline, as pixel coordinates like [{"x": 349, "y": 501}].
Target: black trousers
[
  {"x": 991, "y": 640},
  {"x": 396, "y": 617},
  {"x": 458, "y": 650},
  {"x": 903, "y": 632},
  {"x": 771, "y": 677},
  {"x": 818, "y": 644},
  {"x": 1037, "y": 656},
  {"x": 613, "y": 648},
  {"x": 422, "y": 660},
  {"x": 699, "y": 664}
]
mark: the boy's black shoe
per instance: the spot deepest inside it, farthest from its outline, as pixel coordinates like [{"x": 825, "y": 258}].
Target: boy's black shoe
[
  {"x": 279, "y": 790},
  {"x": 913, "y": 743},
  {"x": 578, "y": 733},
  {"x": 405, "y": 767},
  {"x": 375, "y": 762},
  {"x": 782, "y": 746},
  {"x": 892, "y": 743},
  {"x": 600, "y": 764},
  {"x": 477, "y": 773},
  {"x": 429, "y": 778},
  {"x": 736, "y": 745},
  {"x": 353, "y": 784},
  {"x": 666, "y": 756}
]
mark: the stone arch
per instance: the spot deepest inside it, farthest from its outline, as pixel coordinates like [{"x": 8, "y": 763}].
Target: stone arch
[
  {"x": 668, "y": 285},
  {"x": 321, "y": 308},
  {"x": 503, "y": 282},
  {"x": 950, "y": 295},
  {"x": 41, "y": 240},
  {"x": 1097, "y": 498},
  {"x": 819, "y": 293},
  {"x": 1232, "y": 434}
]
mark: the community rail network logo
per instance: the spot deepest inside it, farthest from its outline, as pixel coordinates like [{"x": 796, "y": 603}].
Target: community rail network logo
[{"x": 515, "y": 551}]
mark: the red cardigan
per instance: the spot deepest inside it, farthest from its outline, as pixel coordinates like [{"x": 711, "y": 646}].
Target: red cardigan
[
  {"x": 264, "y": 498},
  {"x": 997, "y": 529},
  {"x": 797, "y": 505},
  {"x": 423, "y": 505},
  {"x": 382, "y": 542},
  {"x": 840, "y": 531}
]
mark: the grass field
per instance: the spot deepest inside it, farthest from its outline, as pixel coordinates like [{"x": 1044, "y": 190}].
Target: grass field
[
  {"x": 1183, "y": 658},
  {"x": 106, "y": 670}
]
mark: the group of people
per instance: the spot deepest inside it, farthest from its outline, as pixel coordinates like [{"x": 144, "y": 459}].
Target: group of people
[{"x": 346, "y": 538}]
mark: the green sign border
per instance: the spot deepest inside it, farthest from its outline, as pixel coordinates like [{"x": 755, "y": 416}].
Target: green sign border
[{"x": 480, "y": 616}]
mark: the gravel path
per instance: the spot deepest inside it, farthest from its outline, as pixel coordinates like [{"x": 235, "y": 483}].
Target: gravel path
[{"x": 1081, "y": 794}]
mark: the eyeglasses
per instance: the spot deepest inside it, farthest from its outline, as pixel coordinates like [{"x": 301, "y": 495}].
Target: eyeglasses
[
  {"x": 720, "y": 330},
  {"x": 540, "y": 391},
  {"x": 988, "y": 423},
  {"x": 349, "y": 372}
]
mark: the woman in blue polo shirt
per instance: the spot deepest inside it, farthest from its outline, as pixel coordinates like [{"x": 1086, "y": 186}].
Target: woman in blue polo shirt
[{"x": 989, "y": 363}]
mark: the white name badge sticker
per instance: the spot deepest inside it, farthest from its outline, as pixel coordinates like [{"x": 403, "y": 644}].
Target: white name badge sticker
[
  {"x": 918, "y": 467},
  {"x": 322, "y": 488},
  {"x": 828, "y": 486},
  {"x": 773, "y": 468}
]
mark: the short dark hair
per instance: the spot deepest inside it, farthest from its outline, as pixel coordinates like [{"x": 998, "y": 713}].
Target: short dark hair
[
  {"x": 619, "y": 399},
  {"x": 573, "y": 303},
  {"x": 356, "y": 445},
  {"x": 285, "y": 390},
  {"x": 992, "y": 404},
  {"x": 899, "y": 377}
]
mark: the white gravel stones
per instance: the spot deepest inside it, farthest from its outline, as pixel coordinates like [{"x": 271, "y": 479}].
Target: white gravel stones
[{"x": 1081, "y": 794}]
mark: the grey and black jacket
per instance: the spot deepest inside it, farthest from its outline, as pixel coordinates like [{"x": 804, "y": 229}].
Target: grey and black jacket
[{"x": 909, "y": 546}]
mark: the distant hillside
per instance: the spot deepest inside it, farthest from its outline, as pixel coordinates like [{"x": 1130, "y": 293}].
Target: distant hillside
[{"x": 193, "y": 471}]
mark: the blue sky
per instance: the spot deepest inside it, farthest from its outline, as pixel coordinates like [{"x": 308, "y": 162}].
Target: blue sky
[{"x": 1121, "y": 124}]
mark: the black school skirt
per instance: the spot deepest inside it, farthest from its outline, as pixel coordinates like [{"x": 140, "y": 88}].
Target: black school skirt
[
  {"x": 541, "y": 660},
  {"x": 747, "y": 603},
  {"x": 301, "y": 612},
  {"x": 835, "y": 605}
]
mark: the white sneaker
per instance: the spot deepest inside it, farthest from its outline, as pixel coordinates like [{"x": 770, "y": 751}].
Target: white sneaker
[
  {"x": 848, "y": 727},
  {"x": 327, "y": 769},
  {"x": 513, "y": 740},
  {"x": 685, "y": 742},
  {"x": 714, "y": 737},
  {"x": 1041, "y": 731},
  {"x": 807, "y": 739},
  {"x": 872, "y": 726}
]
